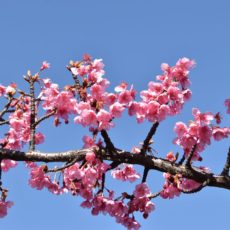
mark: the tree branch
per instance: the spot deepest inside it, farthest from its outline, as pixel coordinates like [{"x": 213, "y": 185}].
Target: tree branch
[
  {"x": 225, "y": 171},
  {"x": 150, "y": 162},
  {"x": 32, "y": 114},
  {"x": 108, "y": 142},
  {"x": 189, "y": 160},
  {"x": 148, "y": 138},
  {"x": 45, "y": 117}
]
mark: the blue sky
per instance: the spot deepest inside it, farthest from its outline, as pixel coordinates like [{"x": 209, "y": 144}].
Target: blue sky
[{"x": 133, "y": 38}]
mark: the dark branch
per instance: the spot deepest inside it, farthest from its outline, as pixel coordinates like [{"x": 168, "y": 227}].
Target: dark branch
[
  {"x": 32, "y": 114},
  {"x": 67, "y": 165},
  {"x": 148, "y": 138},
  {"x": 145, "y": 174},
  {"x": 225, "y": 171},
  {"x": 4, "y": 122},
  {"x": 6, "y": 107},
  {"x": 150, "y": 162},
  {"x": 107, "y": 140},
  {"x": 181, "y": 161},
  {"x": 45, "y": 117},
  {"x": 189, "y": 160}
]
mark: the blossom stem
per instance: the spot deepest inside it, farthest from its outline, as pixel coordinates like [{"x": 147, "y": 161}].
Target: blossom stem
[
  {"x": 225, "y": 171},
  {"x": 32, "y": 115},
  {"x": 148, "y": 138}
]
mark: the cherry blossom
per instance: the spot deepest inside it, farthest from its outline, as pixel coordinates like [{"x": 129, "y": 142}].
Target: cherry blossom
[
  {"x": 8, "y": 164},
  {"x": 45, "y": 65},
  {"x": 2, "y": 90},
  {"x": 126, "y": 173},
  {"x": 4, "y": 206}
]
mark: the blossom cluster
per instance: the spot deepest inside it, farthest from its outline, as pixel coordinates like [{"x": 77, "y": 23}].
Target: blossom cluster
[
  {"x": 173, "y": 185},
  {"x": 40, "y": 180},
  {"x": 199, "y": 132},
  {"x": 121, "y": 211},
  {"x": 98, "y": 107},
  {"x": 126, "y": 173},
  {"x": 166, "y": 97}
]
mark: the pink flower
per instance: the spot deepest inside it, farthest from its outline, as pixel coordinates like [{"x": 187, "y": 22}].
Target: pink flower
[
  {"x": 11, "y": 90},
  {"x": 156, "y": 88},
  {"x": 141, "y": 190},
  {"x": 185, "y": 63},
  {"x": 180, "y": 128},
  {"x": 127, "y": 173},
  {"x": 88, "y": 142},
  {"x": 126, "y": 96},
  {"x": 116, "y": 109},
  {"x": 202, "y": 118},
  {"x": 188, "y": 185},
  {"x": 4, "y": 205},
  {"x": 170, "y": 188},
  {"x": 170, "y": 191},
  {"x": 90, "y": 157},
  {"x": 120, "y": 88},
  {"x": 39, "y": 138},
  {"x": 40, "y": 180},
  {"x": 205, "y": 134},
  {"x": 87, "y": 117},
  {"x": 135, "y": 150},
  {"x": 2, "y": 90},
  {"x": 97, "y": 64},
  {"x": 97, "y": 91},
  {"x": 104, "y": 119},
  {"x": 171, "y": 157},
  {"x": 7, "y": 164},
  {"x": 143, "y": 205},
  {"x": 87, "y": 57},
  {"x": 110, "y": 98},
  {"x": 220, "y": 133},
  {"x": 174, "y": 93},
  {"x": 86, "y": 204},
  {"x": 164, "y": 110},
  {"x": 152, "y": 111},
  {"x": 45, "y": 65}
]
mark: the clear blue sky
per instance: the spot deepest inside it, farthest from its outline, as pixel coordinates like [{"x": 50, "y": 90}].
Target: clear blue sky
[{"x": 133, "y": 38}]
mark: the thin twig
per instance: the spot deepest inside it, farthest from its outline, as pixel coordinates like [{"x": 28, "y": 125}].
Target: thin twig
[
  {"x": 145, "y": 174},
  {"x": 102, "y": 185},
  {"x": 0, "y": 173},
  {"x": 57, "y": 169},
  {"x": 225, "y": 171},
  {"x": 189, "y": 160},
  {"x": 4, "y": 122},
  {"x": 148, "y": 138},
  {"x": 154, "y": 195},
  {"x": 32, "y": 115},
  {"x": 181, "y": 161},
  {"x": 6, "y": 107},
  {"x": 45, "y": 117},
  {"x": 107, "y": 140}
]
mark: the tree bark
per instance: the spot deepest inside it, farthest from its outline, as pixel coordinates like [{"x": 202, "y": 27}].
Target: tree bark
[{"x": 150, "y": 162}]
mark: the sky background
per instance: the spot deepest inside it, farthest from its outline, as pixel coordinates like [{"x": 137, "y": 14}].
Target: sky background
[{"x": 133, "y": 38}]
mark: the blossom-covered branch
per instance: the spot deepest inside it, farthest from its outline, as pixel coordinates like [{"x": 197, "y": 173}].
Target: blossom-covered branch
[
  {"x": 150, "y": 162},
  {"x": 85, "y": 172}
]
